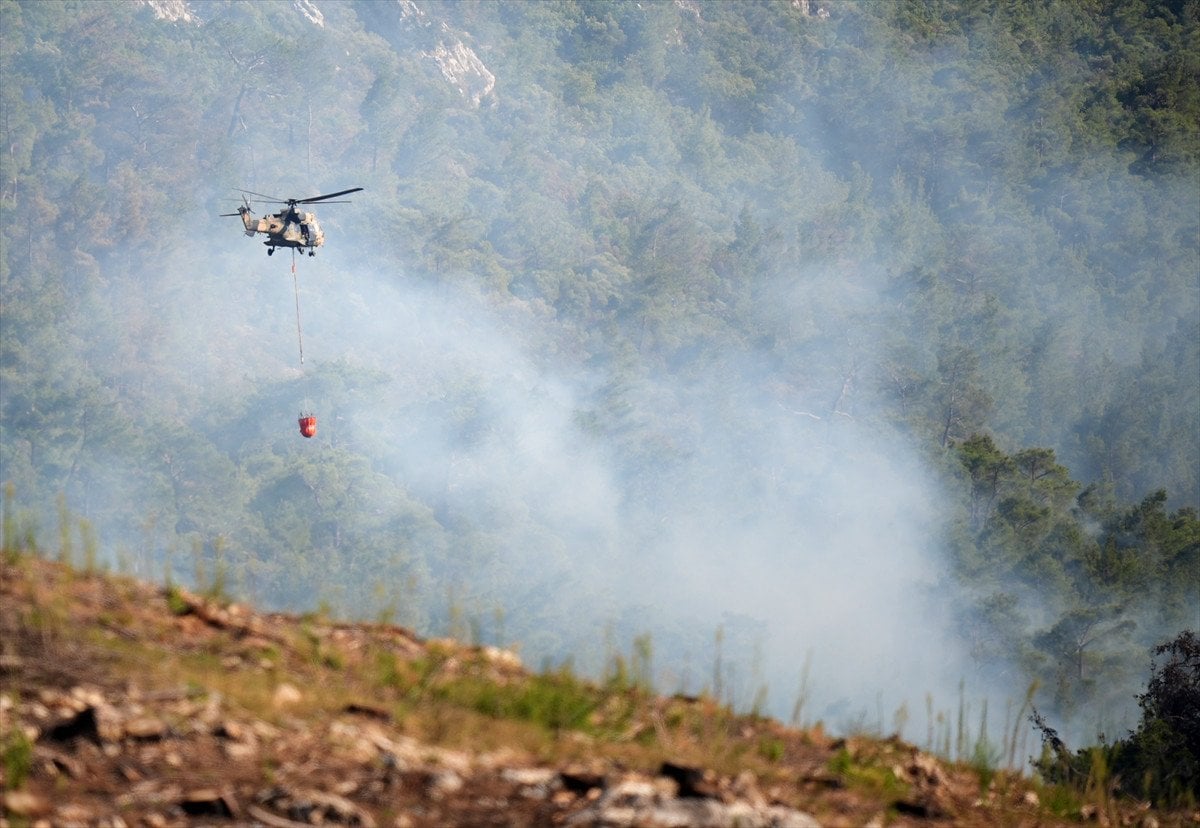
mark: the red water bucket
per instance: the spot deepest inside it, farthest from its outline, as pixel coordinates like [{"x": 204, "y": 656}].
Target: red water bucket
[{"x": 308, "y": 425}]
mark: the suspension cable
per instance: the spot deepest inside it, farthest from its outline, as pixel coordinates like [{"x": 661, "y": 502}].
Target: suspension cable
[{"x": 296, "y": 287}]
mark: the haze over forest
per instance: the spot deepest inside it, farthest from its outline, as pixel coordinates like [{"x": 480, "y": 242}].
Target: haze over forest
[{"x": 826, "y": 355}]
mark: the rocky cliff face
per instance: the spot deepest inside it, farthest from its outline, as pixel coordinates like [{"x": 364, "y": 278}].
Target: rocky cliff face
[
  {"x": 173, "y": 11},
  {"x": 122, "y": 704},
  {"x": 403, "y": 23},
  {"x": 407, "y": 26},
  {"x": 464, "y": 70}
]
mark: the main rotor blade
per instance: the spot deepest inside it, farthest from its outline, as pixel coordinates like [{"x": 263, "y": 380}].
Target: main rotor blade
[
  {"x": 267, "y": 197},
  {"x": 323, "y": 197}
]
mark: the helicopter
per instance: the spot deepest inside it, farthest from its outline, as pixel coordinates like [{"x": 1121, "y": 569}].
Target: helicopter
[{"x": 289, "y": 227}]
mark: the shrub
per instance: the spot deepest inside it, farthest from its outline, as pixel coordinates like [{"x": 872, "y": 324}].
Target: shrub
[{"x": 1161, "y": 759}]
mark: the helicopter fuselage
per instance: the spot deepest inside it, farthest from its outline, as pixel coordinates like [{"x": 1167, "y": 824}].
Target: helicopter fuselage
[{"x": 287, "y": 228}]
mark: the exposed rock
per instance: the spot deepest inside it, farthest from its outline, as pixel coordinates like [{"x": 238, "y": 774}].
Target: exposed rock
[
  {"x": 286, "y": 695},
  {"x": 230, "y": 729},
  {"x": 504, "y": 659},
  {"x": 310, "y": 11},
  {"x": 315, "y": 807},
  {"x": 531, "y": 777},
  {"x": 410, "y": 29},
  {"x": 240, "y": 751},
  {"x": 25, "y": 804},
  {"x": 409, "y": 9},
  {"x": 444, "y": 782},
  {"x": 745, "y": 787},
  {"x": 930, "y": 786},
  {"x": 924, "y": 770},
  {"x": 806, "y": 8},
  {"x": 60, "y": 763},
  {"x": 145, "y": 728},
  {"x": 638, "y": 802},
  {"x": 463, "y": 68},
  {"x": 173, "y": 11},
  {"x": 149, "y": 792}
]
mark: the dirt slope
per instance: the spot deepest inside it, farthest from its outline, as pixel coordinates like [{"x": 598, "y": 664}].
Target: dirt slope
[{"x": 123, "y": 703}]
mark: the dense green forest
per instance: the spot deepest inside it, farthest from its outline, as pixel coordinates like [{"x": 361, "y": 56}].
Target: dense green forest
[{"x": 847, "y": 346}]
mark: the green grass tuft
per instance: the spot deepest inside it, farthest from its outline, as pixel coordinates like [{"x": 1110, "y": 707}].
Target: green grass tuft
[
  {"x": 16, "y": 751},
  {"x": 771, "y": 749},
  {"x": 175, "y": 602},
  {"x": 554, "y": 701}
]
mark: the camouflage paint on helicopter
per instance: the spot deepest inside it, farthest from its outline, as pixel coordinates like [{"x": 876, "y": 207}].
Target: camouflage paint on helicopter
[{"x": 289, "y": 227}]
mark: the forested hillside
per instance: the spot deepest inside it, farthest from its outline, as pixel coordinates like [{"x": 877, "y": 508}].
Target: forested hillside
[{"x": 844, "y": 346}]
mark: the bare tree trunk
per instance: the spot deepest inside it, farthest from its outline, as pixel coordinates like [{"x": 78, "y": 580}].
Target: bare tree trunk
[
  {"x": 949, "y": 423},
  {"x": 237, "y": 109}
]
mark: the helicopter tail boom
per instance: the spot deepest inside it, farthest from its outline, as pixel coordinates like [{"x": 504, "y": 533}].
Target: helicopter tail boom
[
  {"x": 248, "y": 220},
  {"x": 251, "y": 222}
]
